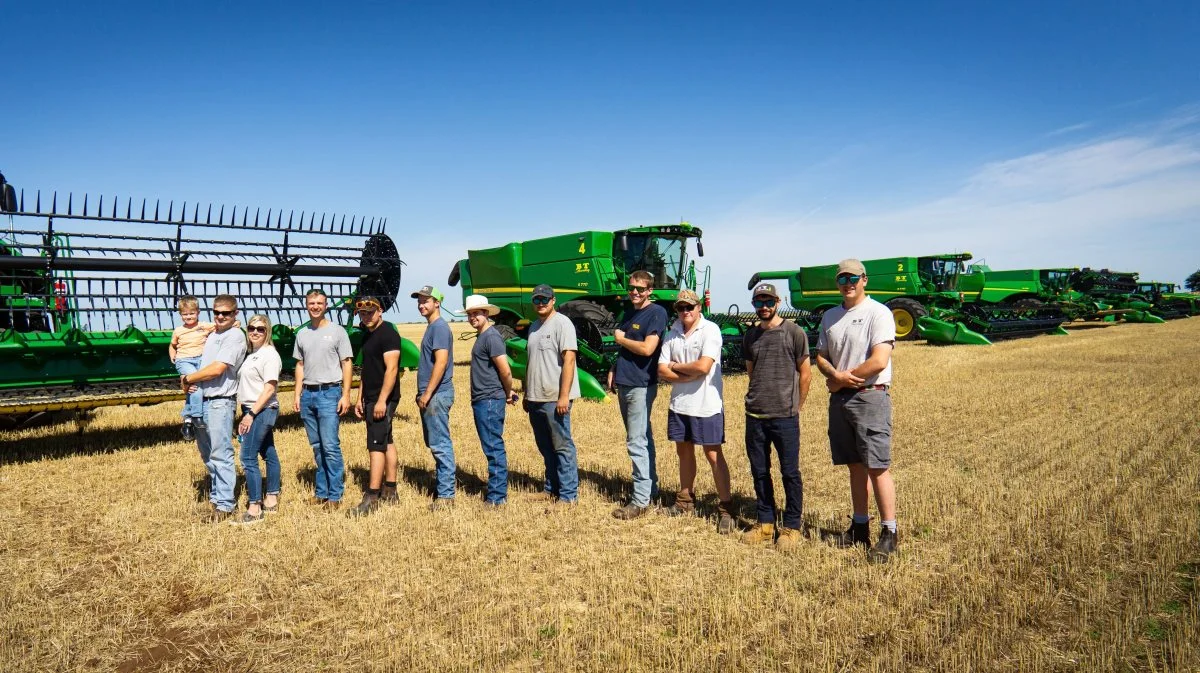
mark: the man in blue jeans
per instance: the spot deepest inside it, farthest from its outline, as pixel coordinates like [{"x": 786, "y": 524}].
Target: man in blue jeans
[
  {"x": 323, "y": 375},
  {"x": 776, "y": 352},
  {"x": 491, "y": 389},
  {"x": 550, "y": 388},
  {"x": 217, "y": 381},
  {"x": 435, "y": 392},
  {"x": 635, "y": 380}
]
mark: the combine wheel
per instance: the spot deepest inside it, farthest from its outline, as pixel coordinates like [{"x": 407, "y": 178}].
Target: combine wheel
[
  {"x": 906, "y": 312},
  {"x": 590, "y": 320},
  {"x": 506, "y": 331}
]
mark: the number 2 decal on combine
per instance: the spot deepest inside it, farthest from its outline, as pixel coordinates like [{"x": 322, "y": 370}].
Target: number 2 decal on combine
[{"x": 899, "y": 266}]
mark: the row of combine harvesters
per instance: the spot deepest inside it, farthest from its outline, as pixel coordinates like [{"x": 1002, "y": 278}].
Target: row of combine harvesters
[{"x": 89, "y": 288}]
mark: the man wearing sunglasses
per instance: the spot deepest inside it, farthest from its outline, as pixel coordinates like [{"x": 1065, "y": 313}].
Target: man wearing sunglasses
[
  {"x": 377, "y": 399},
  {"x": 323, "y": 375},
  {"x": 550, "y": 388},
  {"x": 776, "y": 352},
  {"x": 691, "y": 363},
  {"x": 435, "y": 393},
  {"x": 854, "y": 353},
  {"x": 217, "y": 381},
  {"x": 635, "y": 380}
]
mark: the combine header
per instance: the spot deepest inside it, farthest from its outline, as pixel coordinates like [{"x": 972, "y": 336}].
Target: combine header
[
  {"x": 89, "y": 288},
  {"x": 926, "y": 298}
]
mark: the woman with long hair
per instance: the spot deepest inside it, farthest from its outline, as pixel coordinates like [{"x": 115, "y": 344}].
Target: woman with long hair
[{"x": 258, "y": 380}]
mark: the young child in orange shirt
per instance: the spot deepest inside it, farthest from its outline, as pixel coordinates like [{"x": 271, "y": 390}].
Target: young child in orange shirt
[{"x": 187, "y": 345}]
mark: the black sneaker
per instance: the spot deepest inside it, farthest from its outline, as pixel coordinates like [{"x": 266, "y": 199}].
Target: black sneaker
[
  {"x": 188, "y": 431},
  {"x": 884, "y": 548},
  {"x": 857, "y": 533}
]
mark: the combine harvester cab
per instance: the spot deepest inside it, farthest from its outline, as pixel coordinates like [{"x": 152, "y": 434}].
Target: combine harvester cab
[
  {"x": 89, "y": 290},
  {"x": 926, "y": 300}
]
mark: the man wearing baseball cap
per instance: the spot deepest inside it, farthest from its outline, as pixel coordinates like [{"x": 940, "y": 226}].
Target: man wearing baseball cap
[
  {"x": 550, "y": 388},
  {"x": 854, "y": 353},
  {"x": 691, "y": 362},
  {"x": 377, "y": 399},
  {"x": 435, "y": 392},
  {"x": 776, "y": 352},
  {"x": 491, "y": 389}
]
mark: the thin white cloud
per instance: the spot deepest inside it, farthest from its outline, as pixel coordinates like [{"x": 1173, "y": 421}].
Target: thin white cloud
[{"x": 1073, "y": 128}]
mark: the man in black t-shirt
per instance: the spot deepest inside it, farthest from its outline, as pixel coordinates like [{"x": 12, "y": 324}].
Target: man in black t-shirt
[
  {"x": 377, "y": 398},
  {"x": 776, "y": 352},
  {"x": 635, "y": 380}
]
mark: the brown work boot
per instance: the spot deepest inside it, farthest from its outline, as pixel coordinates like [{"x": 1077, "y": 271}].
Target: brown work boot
[
  {"x": 760, "y": 534},
  {"x": 388, "y": 495},
  {"x": 685, "y": 504},
  {"x": 369, "y": 505},
  {"x": 726, "y": 524},
  {"x": 789, "y": 539},
  {"x": 630, "y": 511},
  {"x": 332, "y": 505},
  {"x": 441, "y": 504},
  {"x": 314, "y": 501}
]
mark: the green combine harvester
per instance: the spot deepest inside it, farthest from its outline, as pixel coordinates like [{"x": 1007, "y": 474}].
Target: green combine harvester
[
  {"x": 1169, "y": 302},
  {"x": 89, "y": 291},
  {"x": 589, "y": 272},
  {"x": 1115, "y": 290},
  {"x": 927, "y": 300},
  {"x": 1054, "y": 287}
]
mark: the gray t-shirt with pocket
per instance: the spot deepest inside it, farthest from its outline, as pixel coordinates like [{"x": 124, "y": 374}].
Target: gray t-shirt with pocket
[
  {"x": 847, "y": 337},
  {"x": 547, "y": 341}
]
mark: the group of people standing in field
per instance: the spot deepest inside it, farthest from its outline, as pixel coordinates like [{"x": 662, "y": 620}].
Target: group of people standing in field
[{"x": 222, "y": 370}]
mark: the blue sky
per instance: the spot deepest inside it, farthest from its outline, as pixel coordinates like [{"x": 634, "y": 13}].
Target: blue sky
[{"x": 795, "y": 133}]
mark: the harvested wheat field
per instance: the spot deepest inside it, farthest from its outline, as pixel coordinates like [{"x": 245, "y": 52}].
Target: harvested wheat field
[{"x": 1047, "y": 493}]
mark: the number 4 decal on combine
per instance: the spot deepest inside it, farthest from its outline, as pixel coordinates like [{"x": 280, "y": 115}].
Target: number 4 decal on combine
[{"x": 582, "y": 248}]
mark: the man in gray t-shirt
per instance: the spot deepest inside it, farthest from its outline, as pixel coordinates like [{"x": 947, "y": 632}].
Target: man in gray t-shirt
[
  {"x": 854, "y": 353},
  {"x": 217, "y": 380},
  {"x": 323, "y": 375},
  {"x": 776, "y": 352},
  {"x": 550, "y": 387},
  {"x": 435, "y": 393}
]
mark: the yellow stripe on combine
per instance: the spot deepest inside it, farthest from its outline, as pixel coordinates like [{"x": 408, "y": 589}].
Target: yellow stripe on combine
[
  {"x": 810, "y": 293},
  {"x": 520, "y": 290}
]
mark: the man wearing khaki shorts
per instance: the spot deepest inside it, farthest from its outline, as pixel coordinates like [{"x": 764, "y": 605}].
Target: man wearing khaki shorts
[{"x": 854, "y": 353}]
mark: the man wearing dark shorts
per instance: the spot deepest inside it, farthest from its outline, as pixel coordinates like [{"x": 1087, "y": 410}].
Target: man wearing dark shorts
[
  {"x": 377, "y": 401},
  {"x": 854, "y": 353},
  {"x": 776, "y": 352},
  {"x": 691, "y": 362}
]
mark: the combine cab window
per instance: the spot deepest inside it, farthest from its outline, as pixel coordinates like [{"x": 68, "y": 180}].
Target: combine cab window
[
  {"x": 662, "y": 256},
  {"x": 942, "y": 274}
]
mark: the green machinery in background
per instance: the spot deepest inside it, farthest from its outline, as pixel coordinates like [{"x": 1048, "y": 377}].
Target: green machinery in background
[
  {"x": 1107, "y": 297},
  {"x": 89, "y": 291},
  {"x": 927, "y": 300},
  {"x": 1167, "y": 300},
  {"x": 1116, "y": 290},
  {"x": 589, "y": 272}
]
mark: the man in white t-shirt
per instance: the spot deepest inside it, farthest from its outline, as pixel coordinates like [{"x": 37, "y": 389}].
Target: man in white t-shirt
[
  {"x": 691, "y": 362},
  {"x": 854, "y": 352}
]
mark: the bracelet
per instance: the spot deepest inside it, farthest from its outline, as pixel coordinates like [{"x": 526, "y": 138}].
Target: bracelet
[{"x": 251, "y": 413}]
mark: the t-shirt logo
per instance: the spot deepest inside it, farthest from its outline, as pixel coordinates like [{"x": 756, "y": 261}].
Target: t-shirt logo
[{"x": 636, "y": 326}]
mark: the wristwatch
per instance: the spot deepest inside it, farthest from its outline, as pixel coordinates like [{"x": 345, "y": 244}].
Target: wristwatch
[{"x": 250, "y": 413}]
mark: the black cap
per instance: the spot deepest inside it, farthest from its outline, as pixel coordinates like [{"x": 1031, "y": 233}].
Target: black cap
[{"x": 543, "y": 290}]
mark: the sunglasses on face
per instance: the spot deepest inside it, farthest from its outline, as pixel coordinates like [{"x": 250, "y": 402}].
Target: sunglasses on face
[
  {"x": 763, "y": 303},
  {"x": 848, "y": 280},
  {"x": 223, "y": 314},
  {"x": 261, "y": 329},
  {"x": 540, "y": 301},
  {"x": 685, "y": 308},
  {"x": 638, "y": 289}
]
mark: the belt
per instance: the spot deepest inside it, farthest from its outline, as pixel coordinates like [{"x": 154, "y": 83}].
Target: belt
[
  {"x": 855, "y": 391},
  {"x": 322, "y": 386},
  {"x": 221, "y": 397}
]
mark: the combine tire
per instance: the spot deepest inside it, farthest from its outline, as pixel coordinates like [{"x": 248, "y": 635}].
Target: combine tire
[
  {"x": 590, "y": 320},
  {"x": 506, "y": 331},
  {"x": 906, "y": 313}
]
